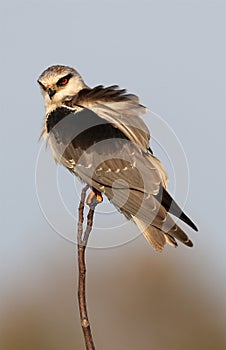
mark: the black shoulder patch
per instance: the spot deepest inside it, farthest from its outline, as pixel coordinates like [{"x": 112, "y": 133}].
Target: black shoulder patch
[
  {"x": 55, "y": 117},
  {"x": 81, "y": 128}
]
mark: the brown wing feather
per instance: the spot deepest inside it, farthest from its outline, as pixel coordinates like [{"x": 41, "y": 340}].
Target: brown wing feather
[
  {"x": 101, "y": 94},
  {"x": 117, "y": 107}
]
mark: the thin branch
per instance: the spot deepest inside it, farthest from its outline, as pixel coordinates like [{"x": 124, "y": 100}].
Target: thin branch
[{"x": 82, "y": 243}]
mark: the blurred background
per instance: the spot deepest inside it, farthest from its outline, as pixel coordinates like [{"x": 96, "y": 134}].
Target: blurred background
[{"x": 172, "y": 54}]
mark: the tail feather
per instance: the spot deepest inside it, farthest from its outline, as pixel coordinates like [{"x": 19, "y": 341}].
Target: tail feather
[
  {"x": 171, "y": 240},
  {"x": 179, "y": 234},
  {"x": 158, "y": 238},
  {"x": 153, "y": 235}
]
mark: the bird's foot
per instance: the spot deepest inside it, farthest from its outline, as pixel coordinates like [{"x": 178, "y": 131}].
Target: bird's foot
[{"x": 95, "y": 197}]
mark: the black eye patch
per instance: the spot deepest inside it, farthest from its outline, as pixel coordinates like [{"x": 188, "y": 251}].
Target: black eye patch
[
  {"x": 64, "y": 80},
  {"x": 42, "y": 86}
]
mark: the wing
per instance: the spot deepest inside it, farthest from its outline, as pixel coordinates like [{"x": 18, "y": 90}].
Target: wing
[
  {"x": 99, "y": 150},
  {"x": 119, "y": 108},
  {"x": 123, "y": 111}
]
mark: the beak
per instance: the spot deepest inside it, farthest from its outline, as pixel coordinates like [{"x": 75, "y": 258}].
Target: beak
[{"x": 51, "y": 93}]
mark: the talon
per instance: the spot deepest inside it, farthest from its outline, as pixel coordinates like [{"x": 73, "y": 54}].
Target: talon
[
  {"x": 94, "y": 197},
  {"x": 99, "y": 197}
]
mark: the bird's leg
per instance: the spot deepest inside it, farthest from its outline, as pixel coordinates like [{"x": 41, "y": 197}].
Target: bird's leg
[{"x": 94, "y": 197}]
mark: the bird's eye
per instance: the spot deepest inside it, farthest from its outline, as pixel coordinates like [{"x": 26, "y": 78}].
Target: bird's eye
[{"x": 63, "y": 81}]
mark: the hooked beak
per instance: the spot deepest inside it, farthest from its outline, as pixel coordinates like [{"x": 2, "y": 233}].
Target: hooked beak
[{"x": 51, "y": 93}]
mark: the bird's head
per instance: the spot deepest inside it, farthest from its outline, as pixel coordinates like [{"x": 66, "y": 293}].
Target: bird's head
[{"x": 57, "y": 83}]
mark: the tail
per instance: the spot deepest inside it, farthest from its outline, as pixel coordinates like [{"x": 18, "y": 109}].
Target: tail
[{"x": 158, "y": 238}]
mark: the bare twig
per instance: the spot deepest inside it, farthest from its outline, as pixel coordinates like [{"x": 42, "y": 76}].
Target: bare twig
[{"x": 82, "y": 243}]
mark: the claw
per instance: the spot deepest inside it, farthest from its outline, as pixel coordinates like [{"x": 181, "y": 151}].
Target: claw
[{"x": 94, "y": 197}]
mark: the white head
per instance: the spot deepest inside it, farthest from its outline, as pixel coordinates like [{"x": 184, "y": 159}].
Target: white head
[{"x": 57, "y": 83}]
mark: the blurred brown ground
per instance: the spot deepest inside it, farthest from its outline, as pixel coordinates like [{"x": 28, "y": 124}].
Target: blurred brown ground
[{"x": 137, "y": 299}]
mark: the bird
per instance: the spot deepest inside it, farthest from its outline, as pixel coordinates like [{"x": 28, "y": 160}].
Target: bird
[{"x": 99, "y": 136}]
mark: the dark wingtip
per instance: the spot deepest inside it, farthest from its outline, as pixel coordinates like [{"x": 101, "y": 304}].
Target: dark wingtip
[
  {"x": 172, "y": 207},
  {"x": 196, "y": 228},
  {"x": 188, "y": 221}
]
